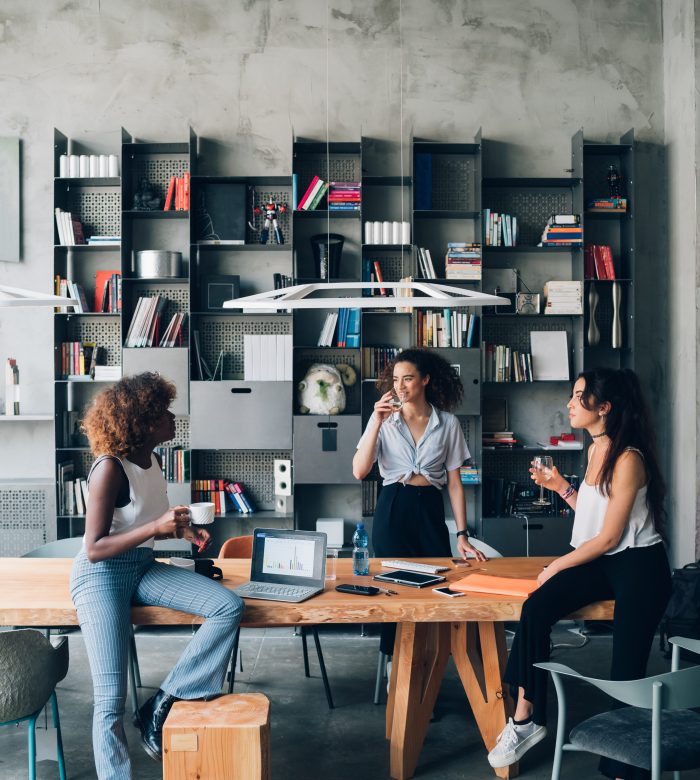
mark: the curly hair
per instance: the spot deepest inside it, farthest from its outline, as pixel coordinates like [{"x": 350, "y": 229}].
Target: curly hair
[
  {"x": 121, "y": 418},
  {"x": 444, "y": 390}
]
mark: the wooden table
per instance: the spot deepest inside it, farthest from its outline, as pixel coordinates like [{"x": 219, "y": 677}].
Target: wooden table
[{"x": 35, "y": 592}]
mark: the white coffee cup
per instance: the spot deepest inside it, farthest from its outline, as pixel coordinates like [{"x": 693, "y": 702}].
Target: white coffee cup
[
  {"x": 202, "y": 513},
  {"x": 183, "y": 563}
]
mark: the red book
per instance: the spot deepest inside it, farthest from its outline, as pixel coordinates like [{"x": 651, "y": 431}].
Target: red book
[
  {"x": 171, "y": 194},
  {"x": 308, "y": 192},
  {"x": 186, "y": 191},
  {"x": 608, "y": 262},
  {"x": 378, "y": 274},
  {"x": 588, "y": 263},
  {"x": 102, "y": 280},
  {"x": 599, "y": 262}
]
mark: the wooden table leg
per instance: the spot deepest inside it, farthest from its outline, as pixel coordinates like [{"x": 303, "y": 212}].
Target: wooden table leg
[
  {"x": 479, "y": 652},
  {"x": 420, "y": 656}
]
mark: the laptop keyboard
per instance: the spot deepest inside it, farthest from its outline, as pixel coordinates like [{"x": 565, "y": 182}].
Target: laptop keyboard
[{"x": 278, "y": 590}]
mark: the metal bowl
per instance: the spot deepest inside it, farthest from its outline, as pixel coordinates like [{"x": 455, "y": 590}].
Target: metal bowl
[{"x": 156, "y": 263}]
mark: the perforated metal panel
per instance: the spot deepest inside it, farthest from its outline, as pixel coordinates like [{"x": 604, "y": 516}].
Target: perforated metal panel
[
  {"x": 104, "y": 331},
  {"x": 216, "y": 334},
  {"x": 393, "y": 267},
  {"x": 303, "y": 359},
  {"x": 182, "y": 433},
  {"x": 284, "y": 221},
  {"x": 99, "y": 210},
  {"x": 253, "y": 469},
  {"x": 453, "y": 182},
  {"x": 514, "y": 332},
  {"x": 25, "y": 513},
  {"x": 532, "y": 207},
  {"x": 157, "y": 170},
  {"x": 514, "y": 465},
  {"x": 343, "y": 167},
  {"x": 468, "y": 426}
]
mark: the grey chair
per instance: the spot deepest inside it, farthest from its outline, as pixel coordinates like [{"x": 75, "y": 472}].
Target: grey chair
[
  {"x": 30, "y": 668},
  {"x": 658, "y": 731}
]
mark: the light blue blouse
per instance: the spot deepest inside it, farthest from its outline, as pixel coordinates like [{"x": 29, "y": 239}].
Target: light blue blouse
[{"x": 442, "y": 448}]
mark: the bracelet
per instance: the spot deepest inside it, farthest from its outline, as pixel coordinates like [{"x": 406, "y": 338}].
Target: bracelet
[
  {"x": 568, "y": 492},
  {"x": 463, "y": 532}
]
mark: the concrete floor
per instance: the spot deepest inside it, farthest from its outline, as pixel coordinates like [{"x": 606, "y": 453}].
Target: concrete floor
[{"x": 308, "y": 740}]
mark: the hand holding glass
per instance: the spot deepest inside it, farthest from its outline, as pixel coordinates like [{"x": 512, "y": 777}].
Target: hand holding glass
[{"x": 543, "y": 464}]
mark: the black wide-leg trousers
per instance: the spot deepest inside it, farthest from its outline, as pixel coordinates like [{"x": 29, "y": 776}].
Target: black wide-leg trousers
[
  {"x": 638, "y": 579},
  {"x": 409, "y": 522}
]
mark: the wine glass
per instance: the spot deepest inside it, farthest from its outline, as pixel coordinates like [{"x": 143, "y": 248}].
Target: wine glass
[{"x": 543, "y": 464}]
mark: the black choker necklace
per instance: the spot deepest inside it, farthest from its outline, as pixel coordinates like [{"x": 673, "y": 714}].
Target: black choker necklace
[{"x": 598, "y": 435}]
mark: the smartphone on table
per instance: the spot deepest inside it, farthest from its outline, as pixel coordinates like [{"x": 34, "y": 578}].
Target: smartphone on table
[{"x": 445, "y": 591}]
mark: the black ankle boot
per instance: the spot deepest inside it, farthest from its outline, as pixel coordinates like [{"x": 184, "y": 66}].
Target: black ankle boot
[{"x": 150, "y": 719}]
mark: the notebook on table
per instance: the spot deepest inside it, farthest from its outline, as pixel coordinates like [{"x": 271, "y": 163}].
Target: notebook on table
[
  {"x": 490, "y": 583},
  {"x": 286, "y": 565}
]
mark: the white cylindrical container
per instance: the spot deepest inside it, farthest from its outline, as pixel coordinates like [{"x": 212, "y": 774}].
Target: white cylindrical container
[
  {"x": 376, "y": 232},
  {"x": 84, "y": 166},
  {"x": 113, "y": 165},
  {"x": 63, "y": 166},
  {"x": 405, "y": 232},
  {"x": 104, "y": 166},
  {"x": 94, "y": 166},
  {"x": 395, "y": 232},
  {"x": 74, "y": 166},
  {"x": 369, "y": 233},
  {"x": 386, "y": 232}
]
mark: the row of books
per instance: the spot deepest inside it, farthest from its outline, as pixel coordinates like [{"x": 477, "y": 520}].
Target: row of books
[
  {"x": 313, "y": 195},
  {"x": 562, "y": 230},
  {"x": 470, "y": 475},
  {"x": 108, "y": 291},
  {"x": 376, "y": 359},
  {"x": 463, "y": 261},
  {"x": 563, "y": 297},
  {"x": 504, "y": 498},
  {"x": 144, "y": 328},
  {"x": 224, "y": 494},
  {"x": 372, "y": 272},
  {"x": 446, "y": 328},
  {"x": 70, "y": 229},
  {"x": 426, "y": 269},
  {"x": 72, "y": 492},
  {"x": 67, "y": 288},
  {"x": 344, "y": 196},
  {"x": 598, "y": 262},
  {"x": 607, "y": 204},
  {"x": 78, "y": 359},
  {"x": 175, "y": 463},
  {"x": 500, "y": 363},
  {"x": 177, "y": 197},
  {"x": 280, "y": 281},
  {"x": 348, "y": 330},
  {"x": 267, "y": 358},
  {"x": 500, "y": 229}
]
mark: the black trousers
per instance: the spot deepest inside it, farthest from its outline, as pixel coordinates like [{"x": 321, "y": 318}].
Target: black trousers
[
  {"x": 409, "y": 522},
  {"x": 638, "y": 579}
]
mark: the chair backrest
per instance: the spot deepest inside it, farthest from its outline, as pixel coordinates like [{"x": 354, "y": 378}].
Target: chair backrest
[
  {"x": 486, "y": 549},
  {"x": 237, "y": 547},
  {"x": 61, "y": 548}
]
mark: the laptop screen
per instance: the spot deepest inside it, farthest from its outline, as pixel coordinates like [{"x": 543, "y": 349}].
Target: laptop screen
[{"x": 288, "y": 557}]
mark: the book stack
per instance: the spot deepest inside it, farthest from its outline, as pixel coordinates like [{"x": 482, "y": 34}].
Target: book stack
[
  {"x": 470, "y": 475},
  {"x": 325, "y": 337},
  {"x": 376, "y": 359},
  {"x": 175, "y": 463},
  {"x": 108, "y": 291},
  {"x": 144, "y": 330},
  {"x": 70, "y": 229},
  {"x": 173, "y": 333},
  {"x": 313, "y": 195},
  {"x": 72, "y": 492},
  {"x": 446, "y": 328},
  {"x": 351, "y": 333},
  {"x": 500, "y": 229},
  {"x": 463, "y": 261},
  {"x": 239, "y": 498},
  {"x": 500, "y": 363},
  {"x": 565, "y": 297},
  {"x": 498, "y": 440},
  {"x": 607, "y": 205},
  {"x": 178, "y": 194},
  {"x": 70, "y": 289},
  {"x": 426, "y": 268},
  {"x": 104, "y": 240},
  {"x": 344, "y": 196},
  {"x": 598, "y": 262},
  {"x": 267, "y": 358},
  {"x": 562, "y": 230},
  {"x": 78, "y": 360},
  {"x": 348, "y": 322}
]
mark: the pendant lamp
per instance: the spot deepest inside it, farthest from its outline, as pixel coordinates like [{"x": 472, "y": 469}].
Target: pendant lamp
[{"x": 14, "y": 297}]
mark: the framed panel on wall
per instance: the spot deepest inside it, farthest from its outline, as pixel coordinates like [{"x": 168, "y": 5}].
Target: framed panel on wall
[{"x": 9, "y": 200}]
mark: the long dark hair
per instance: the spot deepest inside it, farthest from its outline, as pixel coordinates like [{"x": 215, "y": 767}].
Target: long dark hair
[
  {"x": 444, "y": 390},
  {"x": 627, "y": 424}
]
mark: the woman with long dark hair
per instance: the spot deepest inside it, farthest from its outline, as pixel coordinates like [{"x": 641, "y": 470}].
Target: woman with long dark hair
[
  {"x": 618, "y": 553},
  {"x": 419, "y": 446}
]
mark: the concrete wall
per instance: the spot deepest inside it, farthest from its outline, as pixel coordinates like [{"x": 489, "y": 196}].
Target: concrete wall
[{"x": 246, "y": 75}]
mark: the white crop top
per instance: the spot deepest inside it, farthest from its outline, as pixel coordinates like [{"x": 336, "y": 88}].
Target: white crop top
[
  {"x": 148, "y": 498},
  {"x": 591, "y": 507}
]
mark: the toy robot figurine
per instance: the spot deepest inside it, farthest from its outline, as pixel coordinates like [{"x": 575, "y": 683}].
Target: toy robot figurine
[{"x": 271, "y": 210}]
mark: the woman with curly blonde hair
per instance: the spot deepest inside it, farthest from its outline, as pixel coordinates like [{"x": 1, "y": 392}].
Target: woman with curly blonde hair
[{"x": 115, "y": 569}]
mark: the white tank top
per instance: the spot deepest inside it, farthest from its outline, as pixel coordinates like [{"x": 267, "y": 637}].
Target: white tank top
[
  {"x": 148, "y": 499},
  {"x": 591, "y": 507}
]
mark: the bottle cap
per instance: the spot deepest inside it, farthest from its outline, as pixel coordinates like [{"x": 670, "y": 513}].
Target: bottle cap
[{"x": 360, "y": 526}]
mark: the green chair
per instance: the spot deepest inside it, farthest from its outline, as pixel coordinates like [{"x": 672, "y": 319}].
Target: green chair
[
  {"x": 657, "y": 731},
  {"x": 30, "y": 668}
]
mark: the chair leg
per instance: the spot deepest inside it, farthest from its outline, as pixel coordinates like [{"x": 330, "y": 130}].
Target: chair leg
[
  {"x": 232, "y": 670},
  {"x": 381, "y": 674},
  {"x": 135, "y": 659},
  {"x": 31, "y": 745},
  {"x": 59, "y": 739},
  {"x": 305, "y": 650},
  {"x": 319, "y": 652}
]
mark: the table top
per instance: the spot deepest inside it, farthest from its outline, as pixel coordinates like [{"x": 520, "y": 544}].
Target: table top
[{"x": 35, "y": 592}]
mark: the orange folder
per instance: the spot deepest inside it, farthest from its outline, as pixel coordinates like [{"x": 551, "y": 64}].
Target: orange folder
[{"x": 489, "y": 583}]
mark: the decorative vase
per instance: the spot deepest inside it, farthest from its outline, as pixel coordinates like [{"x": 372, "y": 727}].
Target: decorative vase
[
  {"x": 616, "y": 336},
  {"x": 593, "y": 332}
]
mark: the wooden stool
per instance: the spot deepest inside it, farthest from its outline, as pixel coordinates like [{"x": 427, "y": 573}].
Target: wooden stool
[{"x": 228, "y": 737}]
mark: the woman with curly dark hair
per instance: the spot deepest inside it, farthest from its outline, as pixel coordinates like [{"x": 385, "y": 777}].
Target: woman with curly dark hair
[
  {"x": 419, "y": 446},
  {"x": 127, "y": 509}
]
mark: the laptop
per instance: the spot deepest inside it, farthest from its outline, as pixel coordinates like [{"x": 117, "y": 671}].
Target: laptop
[{"x": 286, "y": 565}]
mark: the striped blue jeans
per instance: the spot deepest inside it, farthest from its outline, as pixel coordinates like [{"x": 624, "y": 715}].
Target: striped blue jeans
[{"x": 103, "y": 593}]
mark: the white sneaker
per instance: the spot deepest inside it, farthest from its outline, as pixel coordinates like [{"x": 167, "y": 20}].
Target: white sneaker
[
  {"x": 388, "y": 675},
  {"x": 514, "y": 741}
]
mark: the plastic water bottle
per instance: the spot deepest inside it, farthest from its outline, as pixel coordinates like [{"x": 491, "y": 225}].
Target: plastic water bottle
[{"x": 360, "y": 551}]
